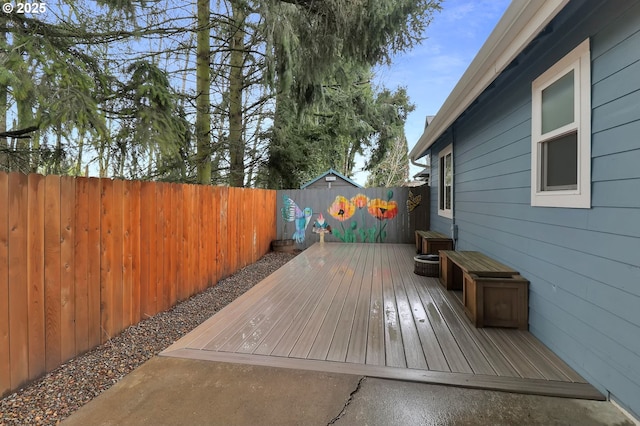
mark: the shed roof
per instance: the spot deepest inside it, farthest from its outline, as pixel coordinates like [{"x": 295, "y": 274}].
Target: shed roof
[
  {"x": 331, "y": 172},
  {"x": 519, "y": 25}
]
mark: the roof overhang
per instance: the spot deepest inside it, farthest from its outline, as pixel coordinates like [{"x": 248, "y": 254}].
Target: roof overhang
[{"x": 521, "y": 23}]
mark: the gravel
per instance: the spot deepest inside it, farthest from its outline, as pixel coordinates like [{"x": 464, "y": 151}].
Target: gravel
[{"x": 49, "y": 400}]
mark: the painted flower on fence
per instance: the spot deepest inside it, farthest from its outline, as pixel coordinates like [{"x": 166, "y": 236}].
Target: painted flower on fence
[
  {"x": 360, "y": 201},
  {"x": 381, "y": 209},
  {"x": 342, "y": 209}
]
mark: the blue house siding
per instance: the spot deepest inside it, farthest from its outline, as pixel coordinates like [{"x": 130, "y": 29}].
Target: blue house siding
[{"x": 583, "y": 264}]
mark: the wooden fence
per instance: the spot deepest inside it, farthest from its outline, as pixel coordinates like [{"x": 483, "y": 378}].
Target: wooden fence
[
  {"x": 83, "y": 258},
  {"x": 404, "y": 209}
]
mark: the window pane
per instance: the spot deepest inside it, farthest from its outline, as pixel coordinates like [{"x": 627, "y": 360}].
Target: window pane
[
  {"x": 441, "y": 184},
  {"x": 560, "y": 163},
  {"x": 557, "y": 104},
  {"x": 447, "y": 170},
  {"x": 447, "y": 197}
]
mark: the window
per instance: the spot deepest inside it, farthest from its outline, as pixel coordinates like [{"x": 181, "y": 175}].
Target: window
[
  {"x": 445, "y": 183},
  {"x": 561, "y": 133}
]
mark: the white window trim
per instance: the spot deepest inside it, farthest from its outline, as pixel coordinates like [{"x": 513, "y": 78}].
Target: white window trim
[
  {"x": 578, "y": 60},
  {"x": 445, "y": 212}
]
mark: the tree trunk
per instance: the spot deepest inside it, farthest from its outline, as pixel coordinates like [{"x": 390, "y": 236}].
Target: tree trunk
[
  {"x": 203, "y": 87},
  {"x": 236, "y": 83},
  {"x": 78, "y": 166}
]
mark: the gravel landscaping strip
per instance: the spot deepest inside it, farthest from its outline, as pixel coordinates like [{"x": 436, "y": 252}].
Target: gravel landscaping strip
[{"x": 58, "y": 394}]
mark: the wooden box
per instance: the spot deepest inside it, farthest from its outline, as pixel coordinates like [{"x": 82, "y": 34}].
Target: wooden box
[
  {"x": 496, "y": 302},
  {"x": 433, "y": 246},
  {"x": 431, "y": 242}
]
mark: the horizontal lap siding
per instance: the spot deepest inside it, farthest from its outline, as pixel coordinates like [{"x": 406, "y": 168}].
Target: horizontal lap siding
[{"x": 583, "y": 264}]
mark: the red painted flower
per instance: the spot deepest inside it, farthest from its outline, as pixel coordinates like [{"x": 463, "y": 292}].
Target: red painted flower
[{"x": 381, "y": 209}]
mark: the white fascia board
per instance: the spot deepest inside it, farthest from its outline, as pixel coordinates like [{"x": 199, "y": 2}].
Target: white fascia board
[{"x": 521, "y": 23}]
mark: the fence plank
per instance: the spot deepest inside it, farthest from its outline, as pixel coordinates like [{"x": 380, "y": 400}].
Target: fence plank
[
  {"x": 221, "y": 241},
  {"x": 94, "y": 245},
  {"x": 134, "y": 238},
  {"x": 5, "y": 358},
  {"x": 173, "y": 246},
  {"x": 202, "y": 237},
  {"x": 184, "y": 264},
  {"x": 250, "y": 218},
  {"x": 195, "y": 247},
  {"x": 116, "y": 257},
  {"x": 179, "y": 245},
  {"x": 18, "y": 299},
  {"x": 35, "y": 275},
  {"x": 166, "y": 248},
  {"x": 146, "y": 195},
  {"x": 106, "y": 260},
  {"x": 232, "y": 236},
  {"x": 159, "y": 241},
  {"x": 52, "y": 270},
  {"x": 67, "y": 265},
  {"x": 127, "y": 253},
  {"x": 211, "y": 260},
  {"x": 195, "y": 240},
  {"x": 81, "y": 249},
  {"x": 152, "y": 289}
]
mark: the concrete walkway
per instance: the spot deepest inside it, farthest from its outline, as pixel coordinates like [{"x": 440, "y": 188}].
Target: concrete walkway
[{"x": 172, "y": 391}]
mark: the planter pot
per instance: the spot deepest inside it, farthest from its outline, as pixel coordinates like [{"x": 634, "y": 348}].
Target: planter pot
[
  {"x": 427, "y": 265},
  {"x": 283, "y": 245}
]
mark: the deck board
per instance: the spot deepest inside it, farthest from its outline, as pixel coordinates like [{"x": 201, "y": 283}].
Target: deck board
[
  {"x": 375, "y": 354},
  {"x": 360, "y": 309},
  {"x": 356, "y": 351}
]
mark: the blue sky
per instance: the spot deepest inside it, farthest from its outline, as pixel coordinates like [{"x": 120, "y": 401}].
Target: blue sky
[{"x": 430, "y": 71}]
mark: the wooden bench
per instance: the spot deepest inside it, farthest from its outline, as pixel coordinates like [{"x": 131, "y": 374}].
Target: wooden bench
[
  {"x": 431, "y": 242},
  {"x": 493, "y": 294}
]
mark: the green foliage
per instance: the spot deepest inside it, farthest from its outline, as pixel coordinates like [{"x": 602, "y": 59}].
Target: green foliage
[
  {"x": 350, "y": 119},
  {"x": 119, "y": 74},
  {"x": 393, "y": 170}
]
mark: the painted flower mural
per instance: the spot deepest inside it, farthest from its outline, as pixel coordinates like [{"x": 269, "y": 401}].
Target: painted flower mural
[
  {"x": 342, "y": 209},
  {"x": 360, "y": 201},
  {"x": 381, "y": 209}
]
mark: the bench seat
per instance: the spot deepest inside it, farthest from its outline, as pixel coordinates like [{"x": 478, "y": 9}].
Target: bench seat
[
  {"x": 493, "y": 294},
  {"x": 431, "y": 242}
]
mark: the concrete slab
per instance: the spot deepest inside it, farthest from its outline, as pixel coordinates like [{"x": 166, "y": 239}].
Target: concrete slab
[
  {"x": 381, "y": 402},
  {"x": 174, "y": 391}
]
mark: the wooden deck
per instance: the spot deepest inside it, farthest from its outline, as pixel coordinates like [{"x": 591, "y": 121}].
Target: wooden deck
[{"x": 360, "y": 309}]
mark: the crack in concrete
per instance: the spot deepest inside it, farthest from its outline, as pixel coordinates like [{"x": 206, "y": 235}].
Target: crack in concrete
[{"x": 346, "y": 404}]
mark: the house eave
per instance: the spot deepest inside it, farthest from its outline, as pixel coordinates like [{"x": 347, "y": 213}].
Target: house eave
[{"x": 520, "y": 24}]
